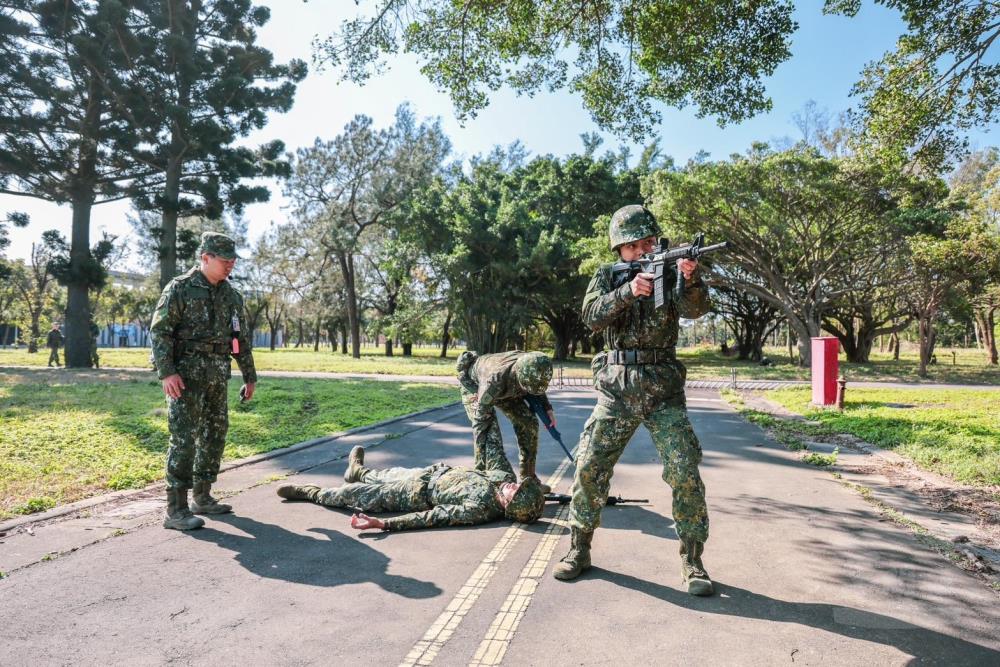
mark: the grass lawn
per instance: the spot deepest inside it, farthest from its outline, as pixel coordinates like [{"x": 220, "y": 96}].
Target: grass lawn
[
  {"x": 63, "y": 438},
  {"x": 702, "y": 362},
  {"x": 952, "y": 432}
]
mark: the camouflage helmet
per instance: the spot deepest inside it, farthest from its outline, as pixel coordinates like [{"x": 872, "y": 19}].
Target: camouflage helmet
[
  {"x": 631, "y": 223},
  {"x": 219, "y": 244},
  {"x": 527, "y": 504},
  {"x": 533, "y": 370}
]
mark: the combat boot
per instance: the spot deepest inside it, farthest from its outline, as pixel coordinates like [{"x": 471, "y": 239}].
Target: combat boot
[
  {"x": 578, "y": 559},
  {"x": 692, "y": 571},
  {"x": 304, "y": 492},
  {"x": 355, "y": 465},
  {"x": 179, "y": 517},
  {"x": 204, "y": 503}
]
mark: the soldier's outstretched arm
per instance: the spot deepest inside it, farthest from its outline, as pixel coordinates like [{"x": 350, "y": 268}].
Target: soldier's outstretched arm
[{"x": 466, "y": 514}]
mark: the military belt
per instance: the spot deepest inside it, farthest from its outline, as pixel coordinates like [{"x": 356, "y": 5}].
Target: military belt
[
  {"x": 649, "y": 356},
  {"x": 435, "y": 477},
  {"x": 208, "y": 348}
]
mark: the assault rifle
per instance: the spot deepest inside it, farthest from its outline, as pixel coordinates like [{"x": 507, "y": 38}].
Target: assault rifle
[
  {"x": 536, "y": 405},
  {"x": 564, "y": 499},
  {"x": 658, "y": 262}
]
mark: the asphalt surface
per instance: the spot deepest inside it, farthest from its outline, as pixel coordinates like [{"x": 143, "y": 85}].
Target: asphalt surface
[{"x": 807, "y": 572}]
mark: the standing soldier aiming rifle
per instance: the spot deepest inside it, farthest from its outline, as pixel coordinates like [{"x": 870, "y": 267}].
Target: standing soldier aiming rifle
[
  {"x": 639, "y": 381},
  {"x": 197, "y": 327}
]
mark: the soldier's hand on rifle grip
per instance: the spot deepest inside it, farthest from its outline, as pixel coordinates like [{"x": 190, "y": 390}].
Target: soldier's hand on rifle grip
[
  {"x": 642, "y": 284},
  {"x": 173, "y": 386},
  {"x": 687, "y": 267}
]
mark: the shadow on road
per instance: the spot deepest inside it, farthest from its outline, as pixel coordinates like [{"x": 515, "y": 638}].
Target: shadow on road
[
  {"x": 926, "y": 645},
  {"x": 333, "y": 559}
]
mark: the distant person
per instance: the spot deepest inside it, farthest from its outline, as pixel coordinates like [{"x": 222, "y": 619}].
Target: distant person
[
  {"x": 197, "y": 327},
  {"x": 503, "y": 381},
  {"x": 54, "y": 341},
  {"x": 639, "y": 381},
  {"x": 95, "y": 360},
  {"x": 435, "y": 496}
]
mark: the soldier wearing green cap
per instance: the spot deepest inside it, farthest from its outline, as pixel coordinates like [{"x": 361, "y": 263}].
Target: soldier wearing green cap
[
  {"x": 197, "y": 327},
  {"x": 433, "y": 496},
  {"x": 501, "y": 381},
  {"x": 639, "y": 381}
]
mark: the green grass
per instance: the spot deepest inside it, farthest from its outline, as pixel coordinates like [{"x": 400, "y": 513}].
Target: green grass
[
  {"x": 952, "y": 432},
  {"x": 821, "y": 460},
  {"x": 702, "y": 363},
  {"x": 61, "y": 442}
]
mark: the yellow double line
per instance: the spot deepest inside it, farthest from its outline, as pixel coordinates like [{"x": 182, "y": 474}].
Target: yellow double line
[{"x": 501, "y": 631}]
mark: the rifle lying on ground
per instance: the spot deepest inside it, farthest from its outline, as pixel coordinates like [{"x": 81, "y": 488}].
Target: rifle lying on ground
[
  {"x": 536, "y": 405},
  {"x": 564, "y": 499},
  {"x": 657, "y": 262}
]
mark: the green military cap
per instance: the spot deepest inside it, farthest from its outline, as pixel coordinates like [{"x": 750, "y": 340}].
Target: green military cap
[
  {"x": 528, "y": 503},
  {"x": 631, "y": 223},
  {"x": 533, "y": 370},
  {"x": 218, "y": 244}
]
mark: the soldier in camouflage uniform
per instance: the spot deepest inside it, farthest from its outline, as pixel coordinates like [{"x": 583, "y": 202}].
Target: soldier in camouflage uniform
[
  {"x": 502, "y": 381},
  {"x": 639, "y": 381},
  {"x": 54, "y": 341},
  {"x": 197, "y": 327},
  {"x": 95, "y": 360},
  {"x": 438, "y": 495}
]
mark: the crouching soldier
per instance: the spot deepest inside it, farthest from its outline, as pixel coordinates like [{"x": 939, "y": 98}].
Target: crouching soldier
[
  {"x": 639, "y": 381},
  {"x": 435, "y": 496},
  {"x": 503, "y": 381}
]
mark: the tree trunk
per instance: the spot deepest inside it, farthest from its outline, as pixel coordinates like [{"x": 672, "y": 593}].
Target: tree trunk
[
  {"x": 343, "y": 338},
  {"x": 388, "y": 346},
  {"x": 316, "y": 331},
  {"x": 407, "y": 349},
  {"x": 347, "y": 271},
  {"x": 445, "y": 334},
  {"x": 77, "y": 354},
  {"x": 585, "y": 345},
  {"x": 924, "y": 342},
  {"x": 986, "y": 324}
]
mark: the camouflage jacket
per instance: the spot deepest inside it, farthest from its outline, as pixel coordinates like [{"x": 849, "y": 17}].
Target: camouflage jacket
[
  {"x": 460, "y": 497},
  {"x": 631, "y": 323},
  {"x": 493, "y": 375},
  {"x": 54, "y": 340},
  {"x": 192, "y": 316}
]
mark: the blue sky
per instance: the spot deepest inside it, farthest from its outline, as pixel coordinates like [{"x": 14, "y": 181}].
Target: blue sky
[{"x": 828, "y": 53}]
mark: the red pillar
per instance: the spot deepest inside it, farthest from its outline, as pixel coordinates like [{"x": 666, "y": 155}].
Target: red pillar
[{"x": 824, "y": 370}]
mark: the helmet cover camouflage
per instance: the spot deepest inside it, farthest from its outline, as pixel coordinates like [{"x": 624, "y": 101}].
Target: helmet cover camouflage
[
  {"x": 218, "y": 244},
  {"x": 533, "y": 370},
  {"x": 631, "y": 223},
  {"x": 528, "y": 503}
]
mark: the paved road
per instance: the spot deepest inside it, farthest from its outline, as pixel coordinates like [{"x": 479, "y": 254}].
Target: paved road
[{"x": 807, "y": 574}]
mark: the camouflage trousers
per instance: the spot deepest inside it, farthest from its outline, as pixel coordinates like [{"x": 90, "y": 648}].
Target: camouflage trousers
[
  {"x": 604, "y": 438},
  {"x": 388, "y": 490},
  {"x": 198, "y": 422},
  {"x": 488, "y": 443},
  {"x": 53, "y": 356},
  {"x": 95, "y": 359}
]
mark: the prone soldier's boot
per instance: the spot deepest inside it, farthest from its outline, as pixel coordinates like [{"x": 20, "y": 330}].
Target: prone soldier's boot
[
  {"x": 204, "y": 503},
  {"x": 355, "y": 466},
  {"x": 304, "y": 492},
  {"x": 692, "y": 571},
  {"x": 578, "y": 559},
  {"x": 179, "y": 517}
]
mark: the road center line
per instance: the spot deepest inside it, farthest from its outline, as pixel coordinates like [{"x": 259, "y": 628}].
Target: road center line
[{"x": 427, "y": 648}]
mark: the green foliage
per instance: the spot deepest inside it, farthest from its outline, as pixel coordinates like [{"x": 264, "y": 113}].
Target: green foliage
[
  {"x": 821, "y": 460},
  {"x": 713, "y": 55},
  {"x": 60, "y": 442},
  {"x": 941, "y": 80},
  {"x": 952, "y": 432}
]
